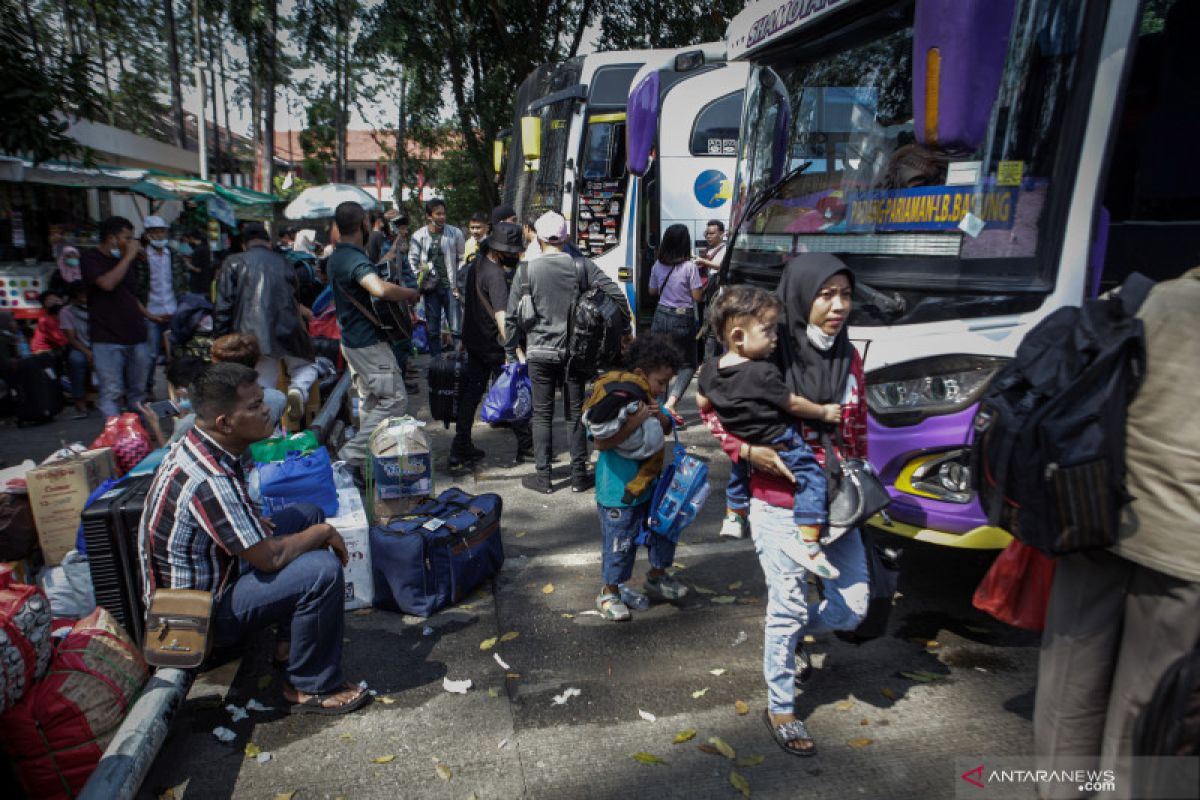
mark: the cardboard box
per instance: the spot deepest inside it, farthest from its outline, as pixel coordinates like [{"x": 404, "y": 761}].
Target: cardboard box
[
  {"x": 57, "y": 493},
  {"x": 351, "y": 523}
]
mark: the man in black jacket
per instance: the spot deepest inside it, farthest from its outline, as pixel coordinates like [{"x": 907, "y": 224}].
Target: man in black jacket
[
  {"x": 256, "y": 295},
  {"x": 485, "y": 302}
]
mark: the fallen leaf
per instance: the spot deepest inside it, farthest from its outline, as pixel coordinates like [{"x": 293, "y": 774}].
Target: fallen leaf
[
  {"x": 252, "y": 750},
  {"x": 863, "y": 742},
  {"x": 508, "y": 637},
  {"x": 724, "y": 599},
  {"x": 739, "y": 783},
  {"x": 493, "y": 692},
  {"x": 864, "y": 721},
  {"x": 844, "y": 705},
  {"x": 723, "y": 747},
  {"x": 718, "y": 672},
  {"x": 443, "y": 771},
  {"x": 696, "y": 695},
  {"x": 548, "y": 588},
  {"x": 567, "y": 694},
  {"x": 512, "y": 676},
  {"x": 456, "y": 687},
  {"x": 521, "y": 533},
  {"x": 387, "y": 701},
  {"x": 263, "y": 682},
  {"x": 741, "y": 708},
  {"x": 568, "y": 616},
  {"x": 646, "y": 715},
  {"x": 750, "y": 761},
  {"x": 284, "y": 795},
  {"x": 346, "y": 736},
  {"x": 733, "y": 587},
  {"x": 931, "y": 644},
  {"x": 708, "y": 748},
  {"x": 888, "y": 693},
  {"x": 810, "y": 639},
  {"x": 501, "y": 662},
  {"x": 684, "y": 736},
  {"x": 487, "y": 644},
  {"x": 465, "y": 606},
  {"x": 472, "y": 796},
  {"x": 922, "y": 676},
  {"x": 677, "y": 565},
  {"x": 383, "y": 760},
  {"x": 647, "y": 758},
  {"x": 169, "y": 794},
  {"x": 362, "y": 612},
  {"x": 703, "y": 590}
]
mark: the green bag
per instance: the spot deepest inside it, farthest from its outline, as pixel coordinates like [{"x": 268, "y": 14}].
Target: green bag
[{"x": 270, "y": 450}]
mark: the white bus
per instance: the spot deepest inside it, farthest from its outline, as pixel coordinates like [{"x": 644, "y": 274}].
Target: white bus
[{"x": 978, "y": 165}]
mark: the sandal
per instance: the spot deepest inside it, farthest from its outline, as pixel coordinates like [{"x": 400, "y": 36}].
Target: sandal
[
  {"x": 612, "y": 608},
  {"x": 315, "y": 704},
  {"x": 789, "y": 732}
]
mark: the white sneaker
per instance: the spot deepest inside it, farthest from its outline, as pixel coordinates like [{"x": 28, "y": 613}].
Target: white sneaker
[
  {"x": 735, "y": 526},
  {"x": 813, "y": 559}
]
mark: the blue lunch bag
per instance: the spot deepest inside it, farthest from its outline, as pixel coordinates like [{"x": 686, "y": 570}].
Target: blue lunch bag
[
  {"x": 438, "y": 553},
  {"x": 302, "y": 478},
  {"x": 680, "y": 494}
]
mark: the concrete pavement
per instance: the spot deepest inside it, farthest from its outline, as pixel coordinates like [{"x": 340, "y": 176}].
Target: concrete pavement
[{"x": 880, "y": 734}]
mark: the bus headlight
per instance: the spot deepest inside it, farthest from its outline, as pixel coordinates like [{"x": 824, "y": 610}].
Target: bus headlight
[
  {"x": 945, "y": 476},
  {"x": 904, "y": 394}
]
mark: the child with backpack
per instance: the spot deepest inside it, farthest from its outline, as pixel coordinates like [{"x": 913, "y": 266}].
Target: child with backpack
[
  {"x": 629, "y": 430},
  {"x": 750, "y": 397}
]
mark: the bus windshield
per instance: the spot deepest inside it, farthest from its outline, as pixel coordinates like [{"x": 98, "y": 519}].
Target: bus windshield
[
  {"x": 931, "y": 167},
  {"x": 536, "y": 185}
]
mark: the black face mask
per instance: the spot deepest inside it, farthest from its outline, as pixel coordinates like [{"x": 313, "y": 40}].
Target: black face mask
[{"x": 508, "y": 260}]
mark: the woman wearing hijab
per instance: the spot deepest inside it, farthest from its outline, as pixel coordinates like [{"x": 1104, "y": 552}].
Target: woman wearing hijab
[
  {"x": 68, "y": 267},
  {"x": 820, "y": 364}
]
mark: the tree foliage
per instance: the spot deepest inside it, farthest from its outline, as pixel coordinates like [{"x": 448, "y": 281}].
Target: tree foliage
[{"x": 633, "y": 25}]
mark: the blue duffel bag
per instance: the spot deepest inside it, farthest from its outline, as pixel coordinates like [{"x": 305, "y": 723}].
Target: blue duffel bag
[
  {"x": 438, "y": 553},
  {"x": 301, "y": 478}
]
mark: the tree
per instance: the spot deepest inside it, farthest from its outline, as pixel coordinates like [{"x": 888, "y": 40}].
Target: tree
[
  {"x": 634, "y": 25},
  {"x": 173, "y": 64}
]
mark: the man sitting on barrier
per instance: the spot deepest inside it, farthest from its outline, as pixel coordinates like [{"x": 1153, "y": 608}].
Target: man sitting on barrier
[{"x": 200, "y": 531}]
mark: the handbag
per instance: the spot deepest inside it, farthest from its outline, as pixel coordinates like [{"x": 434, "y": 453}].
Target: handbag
[
  {"x": 510, "y": 398},
  {"x": 301, "y": 478},
  {"x": 179, "y": 627},
  {"x": 855, "y": 491},
  {"x": 526, "y": 316},
  {"x": 1016, "y": 589},
  {"x": 680, "y": 494}
]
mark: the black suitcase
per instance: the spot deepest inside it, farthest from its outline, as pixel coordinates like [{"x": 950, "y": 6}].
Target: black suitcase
[
  {"x": 38, "y": 395},
  {"x": 445, "y": 376}
]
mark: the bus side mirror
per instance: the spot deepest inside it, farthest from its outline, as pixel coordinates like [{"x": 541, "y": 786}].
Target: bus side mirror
[
  {"x": 641, "y": 124},
  {"x": 531, "y": 138}
]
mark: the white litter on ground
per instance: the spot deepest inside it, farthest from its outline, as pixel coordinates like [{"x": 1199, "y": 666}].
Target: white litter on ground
[
  {"x": 646, "y": 715},
  {"x": 427, "y": 631},
  {"x": 224, "y": 734},
  {"x": 500, "y": 661},
  {"x": 254, "y": 705},
  {"x": 262, "y": 758},
  {"x": 236, "y": 713},
  {"x": 741, "y": 637},
  {"x": 560, "y": 699},
  {"x": 457, "y": 687}
]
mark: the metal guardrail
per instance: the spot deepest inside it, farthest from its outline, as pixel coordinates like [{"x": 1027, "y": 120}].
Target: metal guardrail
[{"x": 132, "y": 751}]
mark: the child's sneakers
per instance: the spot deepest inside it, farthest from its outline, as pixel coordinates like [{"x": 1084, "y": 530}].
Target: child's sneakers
[
  {"x": 665, "y": 587},
  {"x": 735, "y": 525},
  {"x": 813, "y": 559},
  {"x": 612, "y": 608}
]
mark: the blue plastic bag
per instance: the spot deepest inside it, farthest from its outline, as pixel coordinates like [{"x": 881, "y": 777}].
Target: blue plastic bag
[
  {"x": 302, "y": 478},
  {"x": 511, "y": 397},
  {"x": 680, "y": 494},
  {"x": 420, "y": 337}
]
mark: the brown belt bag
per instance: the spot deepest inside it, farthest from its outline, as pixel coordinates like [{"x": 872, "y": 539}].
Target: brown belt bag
[{"x": 178, "y": 628}]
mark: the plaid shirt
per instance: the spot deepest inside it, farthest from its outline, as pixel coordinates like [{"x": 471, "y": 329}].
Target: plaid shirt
[{"x": 198, "y": 517}]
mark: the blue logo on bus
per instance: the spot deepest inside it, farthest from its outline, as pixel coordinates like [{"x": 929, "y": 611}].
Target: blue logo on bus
[{"x": 712, "y": 188}]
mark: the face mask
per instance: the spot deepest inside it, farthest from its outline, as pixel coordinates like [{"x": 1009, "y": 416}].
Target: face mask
[
  {"x": 184, "y": 403},
  {"x": 115, "y": 252},
  {"x": 510, "y": 261},
  {"x": 159, "y": 243},
  {"x": 71, "y": 262},
  {"x": 53, "y": 309}
]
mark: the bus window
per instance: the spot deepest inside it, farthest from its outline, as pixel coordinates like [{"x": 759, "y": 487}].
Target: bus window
[
  {"x": 1153, "y": 191},
  {"x": 601, "y": 195},
  {"x": 604, "y": 151},
  {"x": 610, "y": 85},
  {"x": 715, "y": 132}
]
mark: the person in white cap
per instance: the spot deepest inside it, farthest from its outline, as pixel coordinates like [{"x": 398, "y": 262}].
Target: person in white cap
[
  {"x": 162, "y": 276},
  {"x": 551, "y": 285}
]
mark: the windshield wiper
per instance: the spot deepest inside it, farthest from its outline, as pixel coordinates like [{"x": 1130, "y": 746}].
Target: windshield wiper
[
  {"x": 755, "y": 205},
  {"x": 886, "y": 307}
]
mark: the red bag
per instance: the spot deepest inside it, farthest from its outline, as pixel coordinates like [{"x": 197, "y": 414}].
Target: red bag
[
  {"x": 128, "y": 439},
  {"x": 1016, "y": 590},
  {"x": 24, "y": 638},
  {"x": 57, "y": 734}
]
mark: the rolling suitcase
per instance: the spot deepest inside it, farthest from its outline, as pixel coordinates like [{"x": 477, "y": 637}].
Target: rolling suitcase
[
  {"x": 39, "y": 397},
  {"x": 445, "y": 375}
]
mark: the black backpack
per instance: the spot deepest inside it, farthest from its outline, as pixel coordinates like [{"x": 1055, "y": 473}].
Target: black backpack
[
  {"x": 1169, "y": 725},
  {"x": 1049, "y": 453},
  {"x": 595, "y": 327}
]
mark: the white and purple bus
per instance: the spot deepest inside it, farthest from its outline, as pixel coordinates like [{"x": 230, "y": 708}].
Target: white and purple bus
[{"x": 978, "y": 163}]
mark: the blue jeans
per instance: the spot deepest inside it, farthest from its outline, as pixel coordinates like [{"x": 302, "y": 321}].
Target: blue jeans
[
  {"x": 809, "y": 503},
  {"x": 681, "y": 330},
  {"x": 154, "y": 349},
  {"x": 121, "y": 370},
  {"x": 306, "y": 599},
  {"x": 789, "y": 614},
  {"x": 436, "y": 302},
  {"x": 620, "y": 526},
  {"x": 77, "y": 371}
]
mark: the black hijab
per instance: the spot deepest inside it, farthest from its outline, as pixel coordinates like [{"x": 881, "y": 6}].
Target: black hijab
[{"x": 814, "y": 374}]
